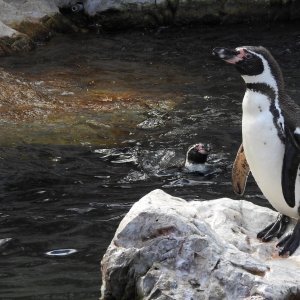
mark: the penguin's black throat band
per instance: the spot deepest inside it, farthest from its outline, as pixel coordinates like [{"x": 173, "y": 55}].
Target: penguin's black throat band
[{"x": 263, "y": 89}]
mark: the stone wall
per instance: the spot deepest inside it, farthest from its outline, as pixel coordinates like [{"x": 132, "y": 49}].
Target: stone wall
[{"x": 23, "y": 22}]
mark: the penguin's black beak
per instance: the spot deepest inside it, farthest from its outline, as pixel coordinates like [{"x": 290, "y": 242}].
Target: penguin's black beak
[
  {"x": 225, "y": 53},
  {"x": 229, "y": 55}
]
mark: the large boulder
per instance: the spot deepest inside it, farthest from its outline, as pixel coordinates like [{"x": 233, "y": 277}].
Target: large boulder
[{"x": 168, "y": 248}]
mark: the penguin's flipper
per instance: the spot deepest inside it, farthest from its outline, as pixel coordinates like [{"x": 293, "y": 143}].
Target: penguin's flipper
[
  {"x": 290, "y": 167},
  {"x": 240, "y": 172}
]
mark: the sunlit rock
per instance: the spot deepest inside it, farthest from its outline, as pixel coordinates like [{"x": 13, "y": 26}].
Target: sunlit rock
[
  {"x": 20, "y": 100},
  {"x": 167, "y": 248}
]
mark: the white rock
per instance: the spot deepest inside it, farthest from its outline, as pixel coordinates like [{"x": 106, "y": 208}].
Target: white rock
[
  {"x": 8, "y": 12},
  {"x": 167, "y": 248},
  {"x": 15, "y": 11},
  {"x": 6, "y": 31}
]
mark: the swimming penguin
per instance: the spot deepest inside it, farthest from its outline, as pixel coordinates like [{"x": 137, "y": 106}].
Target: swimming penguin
[
  {"x": 195, "y": 163},
  {"x": 271, "y": 140},
  {"x": 196, "y": 157}
]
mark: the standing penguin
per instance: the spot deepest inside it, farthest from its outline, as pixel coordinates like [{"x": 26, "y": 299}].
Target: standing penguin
[{"x": 271, "y": 140}]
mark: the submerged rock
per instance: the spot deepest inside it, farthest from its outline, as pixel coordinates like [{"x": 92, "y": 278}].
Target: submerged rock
[
  {"x": 167, "y": 248},
  {"x": 20, "y": 100}
]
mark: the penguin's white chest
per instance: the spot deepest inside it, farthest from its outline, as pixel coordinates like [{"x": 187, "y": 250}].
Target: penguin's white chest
[{"x": 264, "y": 150}]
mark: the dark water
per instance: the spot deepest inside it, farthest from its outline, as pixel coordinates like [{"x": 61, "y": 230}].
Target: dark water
[{"x": 73, "y": 196}]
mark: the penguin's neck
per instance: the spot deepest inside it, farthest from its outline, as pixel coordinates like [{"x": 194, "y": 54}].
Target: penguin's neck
[
  {"x": 269, "y": 82},
  {"x": 264, "y": 93},
  {"x": 194, "y": 167}
]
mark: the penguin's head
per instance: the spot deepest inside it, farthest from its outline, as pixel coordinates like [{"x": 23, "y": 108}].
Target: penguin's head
[
  {"x": 254, "y": 63},
  {"x": 197, "y": 154}
]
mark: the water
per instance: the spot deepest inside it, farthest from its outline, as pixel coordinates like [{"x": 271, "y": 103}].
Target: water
[{"x": 70, "y": 190}]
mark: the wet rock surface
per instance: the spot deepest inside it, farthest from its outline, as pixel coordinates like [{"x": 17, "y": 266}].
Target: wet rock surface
[{"x": 167, "y": 248}]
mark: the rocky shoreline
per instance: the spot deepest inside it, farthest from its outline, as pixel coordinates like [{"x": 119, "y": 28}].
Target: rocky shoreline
[{"x": 24, "y": 23}]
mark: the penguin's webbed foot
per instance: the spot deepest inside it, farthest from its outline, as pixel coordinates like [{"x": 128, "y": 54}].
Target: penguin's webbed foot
[
  {"x": 291, "y": 242},
  {"x": 275, "y": 229}
]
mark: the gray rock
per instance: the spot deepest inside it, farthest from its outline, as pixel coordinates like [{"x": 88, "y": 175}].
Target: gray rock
[
  {"x": 167, "y": 248},
  {"x": 21, "y": 21},
  {"x": 15, "y": 11}
]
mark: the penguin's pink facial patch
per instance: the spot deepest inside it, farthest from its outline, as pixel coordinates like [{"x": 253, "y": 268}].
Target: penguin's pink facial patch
[
  {"x": 202, "y": 149},
  {"x": 238, "y": 57}
]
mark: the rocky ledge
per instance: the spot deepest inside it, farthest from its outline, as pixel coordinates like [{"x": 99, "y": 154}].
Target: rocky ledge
[
  {"x": 22, "y": 23},
  {"x": 168, "y": 248}
]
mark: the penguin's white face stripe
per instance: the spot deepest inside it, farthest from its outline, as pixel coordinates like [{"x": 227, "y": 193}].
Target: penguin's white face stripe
[
  {"x": 265, "y": 77},
  {"x": 187, "y": 153},
  {"x": 297, "y": 130}
]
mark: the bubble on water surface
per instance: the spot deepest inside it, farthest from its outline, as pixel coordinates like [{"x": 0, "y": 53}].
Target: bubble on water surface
[
  {"x": 187, "y": 182},
  {"x": 61, "y": 252}
]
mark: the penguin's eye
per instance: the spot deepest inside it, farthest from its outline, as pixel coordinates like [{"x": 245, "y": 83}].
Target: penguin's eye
[{"x": 248, "y": 55}]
